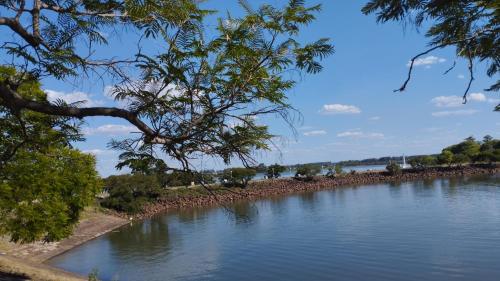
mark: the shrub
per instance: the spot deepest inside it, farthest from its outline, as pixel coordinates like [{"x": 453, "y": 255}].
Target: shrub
[
  {"x": 446, "y": 157},
  {"x": 460, "y": 159},
  {"x": 129, "y": 193},
  {"x": 422, "y": 162},
  {"x": 335, "y": 171},
  {"x": 393, "y": 168},
  {"x": 274, "y": 171},
  {"x": 238, "y": 176},
  {"x": 307, "y": 172}
]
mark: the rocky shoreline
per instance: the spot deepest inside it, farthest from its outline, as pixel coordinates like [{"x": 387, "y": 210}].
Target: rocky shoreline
[{"x": 275, "y": 187}]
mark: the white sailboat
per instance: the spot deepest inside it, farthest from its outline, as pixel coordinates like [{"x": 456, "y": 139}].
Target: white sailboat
[{"x": 404, "y": 165}]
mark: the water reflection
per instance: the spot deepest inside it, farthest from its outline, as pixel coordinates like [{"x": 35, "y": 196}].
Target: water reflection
[
  {"x": 151, "y": 237},
  {"x": 422, "y": 230},
  {"x": 245, "y": 212}
]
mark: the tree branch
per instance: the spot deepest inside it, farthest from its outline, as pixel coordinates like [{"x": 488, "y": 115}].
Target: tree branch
[{"x": 16, "y": 102}]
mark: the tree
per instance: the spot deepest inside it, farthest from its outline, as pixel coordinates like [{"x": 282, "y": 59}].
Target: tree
[
  {"x": 307, "y": 172},
  {"x": 471, "y": 27},
  {"x": 44, "y": 183},
  {"x": 338, "y": 169},
  {"x": 469, "y": 147},
  {"x": 238, "y": 176},
  {"x": 446, "y": 157},
  {"x": 422, "y": 162},
  {"x": 274, "y": 171},
  {"x": 129, "y": 193},
  {"x": 188, "y": 99},
  {"x": 488, "y": 156},
  {"x": 43, "y": 193},
  {"x": 460, "y": 159}
]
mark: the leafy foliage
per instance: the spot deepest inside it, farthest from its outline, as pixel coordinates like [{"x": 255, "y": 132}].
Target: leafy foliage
[
  {"x": 129, "y": 193},
  {"x": 238, "y": 176},
  {"x": 446, "y": 157},
  {"x": 43, "y": 194},
  {"x": 274, "y": 171},
  {"x": 307, "y": 172},
  {"x": 197, "y": 96},
  {"x": 471, "y": 150},
  {"x": 31, "y": 131},
  {"x": 44, "y": 184},
  {"x": 422, "y": 162}
]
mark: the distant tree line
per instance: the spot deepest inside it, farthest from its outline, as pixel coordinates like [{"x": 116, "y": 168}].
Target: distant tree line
[{"x": 129, "y": 193}]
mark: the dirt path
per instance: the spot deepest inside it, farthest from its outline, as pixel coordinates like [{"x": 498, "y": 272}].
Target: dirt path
[
  {"x": 27, "y": 259},
  {"x": 93, "y": 225}
]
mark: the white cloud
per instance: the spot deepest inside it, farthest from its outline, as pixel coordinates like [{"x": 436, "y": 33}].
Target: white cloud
[
  {"x": 447, "y": 101},
  {"x": 457, "y": 101},
  {"x": 374, "y": 118},
  {"x": 339, "y": 109},
  {"x": 72, "y": 97},
  {"x": 360, "y": 134},
  {"x": 427, "y": 61},
  {"x": 461, "y": 76},
  {"x": 480, "y": 97},
  {"x": 315, "y": 133},
  {"x": 454, "y": 113},
  {"x": 110, "y": 130}
]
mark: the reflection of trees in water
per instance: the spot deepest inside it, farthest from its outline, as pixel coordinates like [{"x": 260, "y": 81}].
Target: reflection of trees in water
[
  {"x": 193, "y": 215},
  {"x": 309, "y": 200},
  {"x": 455, "y": 185},
  {"x": 245, "y": 212},
  {"x": 395, "y": 189},
  {"x": 278, "y": 205},
  {"x": 424, "y": 188},
  {"x": 146, "y": 238}
]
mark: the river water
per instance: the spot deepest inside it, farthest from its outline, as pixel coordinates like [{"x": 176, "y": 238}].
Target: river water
[{"x": 445, "y": 229}]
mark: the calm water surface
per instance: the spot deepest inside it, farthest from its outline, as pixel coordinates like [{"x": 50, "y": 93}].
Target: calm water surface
[{"x": 447, "y": 229}]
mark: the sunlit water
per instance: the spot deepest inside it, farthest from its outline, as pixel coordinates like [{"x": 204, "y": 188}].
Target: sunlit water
[{"x": 446, "y": 229}]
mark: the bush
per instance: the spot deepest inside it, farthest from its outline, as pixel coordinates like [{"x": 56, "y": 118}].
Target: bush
[
  {"x": 129, "y": 193},
  {"x": 488, "y": 156},
  {"x": 338, "y": 169},
  {"x": 393, "y": 168},
  {"x": 238, "y": 176},
  {"x": 335, "y": 171},
  {"x": 43, "y": 194},
  {"x": 460, "y": 159},
  {"x": 274, "y": 171},
  {"x": 422, "y": 162},
  {"x": 307, "y": 172},
  {"x": 446, "y": 157}
]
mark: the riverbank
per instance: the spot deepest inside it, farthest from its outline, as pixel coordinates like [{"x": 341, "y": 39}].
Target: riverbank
[
  {"x": 96, "y": 223},
  {"x": 27, "y": 259},
  {"x": 198, "y": 196}
]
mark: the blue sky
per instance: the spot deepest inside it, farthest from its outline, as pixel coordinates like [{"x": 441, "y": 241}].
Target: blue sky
[{"x": 349, "y": 110}]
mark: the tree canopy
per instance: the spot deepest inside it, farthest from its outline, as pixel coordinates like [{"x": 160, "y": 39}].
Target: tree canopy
[
  {"x": 44, "y": 183},
  {"x": 471, "y": 27},
  {"x": 198, "y": 94}
]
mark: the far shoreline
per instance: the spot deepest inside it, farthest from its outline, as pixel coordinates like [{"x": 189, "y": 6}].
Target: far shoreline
[{"x": 182, "y": 198}]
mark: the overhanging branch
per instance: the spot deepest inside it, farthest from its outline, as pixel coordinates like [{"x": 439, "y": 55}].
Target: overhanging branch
[{"x": 16, "y": 102}]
